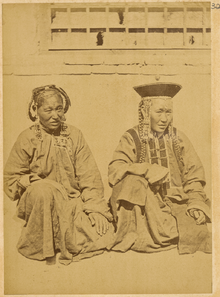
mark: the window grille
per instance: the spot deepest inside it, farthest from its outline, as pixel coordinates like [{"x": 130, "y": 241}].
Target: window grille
[{"x": 130, "y": 26}]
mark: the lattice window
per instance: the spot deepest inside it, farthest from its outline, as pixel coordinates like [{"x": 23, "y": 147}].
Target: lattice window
[{"x": 130, "y": 26}]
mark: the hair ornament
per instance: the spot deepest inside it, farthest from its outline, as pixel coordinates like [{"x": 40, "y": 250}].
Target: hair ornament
[{"x": 37, "y": 92}]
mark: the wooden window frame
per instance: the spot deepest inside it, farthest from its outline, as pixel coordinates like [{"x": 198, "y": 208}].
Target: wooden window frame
[{"x": 46, "y": 27}]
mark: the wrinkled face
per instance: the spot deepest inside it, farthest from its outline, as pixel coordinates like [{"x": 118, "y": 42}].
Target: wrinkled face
[
  {"x": 51, "y": 112},
  {"x": 161, "y": 115}
]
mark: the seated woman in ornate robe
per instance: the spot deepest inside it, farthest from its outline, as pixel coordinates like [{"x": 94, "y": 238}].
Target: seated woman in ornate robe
[
  {"x": 54, "y": 177},
  {"x": 158, "y": 199}
]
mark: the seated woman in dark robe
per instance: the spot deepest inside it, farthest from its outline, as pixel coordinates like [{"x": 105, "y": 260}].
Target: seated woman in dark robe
[
  {"x": 158, "y": 197},
  {"x": 54, "y": 177}
]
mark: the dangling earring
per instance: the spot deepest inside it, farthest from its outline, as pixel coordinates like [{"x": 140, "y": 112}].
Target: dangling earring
[
  {"x": 63, "y": 118},
  {"x": 37, "y": 127},
  {"x": 170, "y": 129}
]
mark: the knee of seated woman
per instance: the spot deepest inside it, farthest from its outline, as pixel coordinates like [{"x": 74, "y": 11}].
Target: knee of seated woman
[{"x": 41, "y": 191}]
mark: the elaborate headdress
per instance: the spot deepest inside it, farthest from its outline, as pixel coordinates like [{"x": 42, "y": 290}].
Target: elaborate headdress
[
  {"x": 45, "y": 92},
  {"x": 149, "y": 92}
]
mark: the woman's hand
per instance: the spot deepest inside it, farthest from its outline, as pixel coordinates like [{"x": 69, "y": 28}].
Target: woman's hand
[
  {"x": 157, "y": 185},
  {"x": 198, "y": 215},
  {"x": 100, "y": 222}
]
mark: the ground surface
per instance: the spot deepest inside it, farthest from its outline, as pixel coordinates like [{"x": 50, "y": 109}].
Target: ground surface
[{"x": 109, "y": 273}]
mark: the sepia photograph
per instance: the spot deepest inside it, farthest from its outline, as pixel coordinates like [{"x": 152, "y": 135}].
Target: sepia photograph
[{"x": 107, "y": 148}]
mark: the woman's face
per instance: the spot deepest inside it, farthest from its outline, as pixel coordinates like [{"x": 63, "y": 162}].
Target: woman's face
[
  {"x": 161, "y": 115},
  {"x": 51, "y": 112}
]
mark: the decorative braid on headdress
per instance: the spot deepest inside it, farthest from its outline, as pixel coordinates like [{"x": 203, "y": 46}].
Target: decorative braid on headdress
[
  {"x": 176, "y": 145},
  {"x": 144, "y": 126},
  {"x": 32, "y": 106},
  {"x": 177, "y": 151},
  {"x": 37, "y": 92}
]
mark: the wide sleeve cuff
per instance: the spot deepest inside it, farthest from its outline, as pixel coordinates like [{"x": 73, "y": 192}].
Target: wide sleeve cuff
[
  {"x": 156, "y": 173},
  {"x": 106, "y": 214},
  {"x": 98, "y": 207},
  {"x": 151, "y": 172},
  {"x": 26, "y": 180}
]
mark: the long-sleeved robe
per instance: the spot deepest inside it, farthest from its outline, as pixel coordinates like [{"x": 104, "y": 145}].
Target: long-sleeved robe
[
  {"x": 58, "y": 184},
  {"x": 149, "y": 217}
]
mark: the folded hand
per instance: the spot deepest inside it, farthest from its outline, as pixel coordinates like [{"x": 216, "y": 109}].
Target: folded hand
[
  {"x": 159, "y": 183},
  {"x": 198, "y": 215},
  {"x": 100, "y": 222}
]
